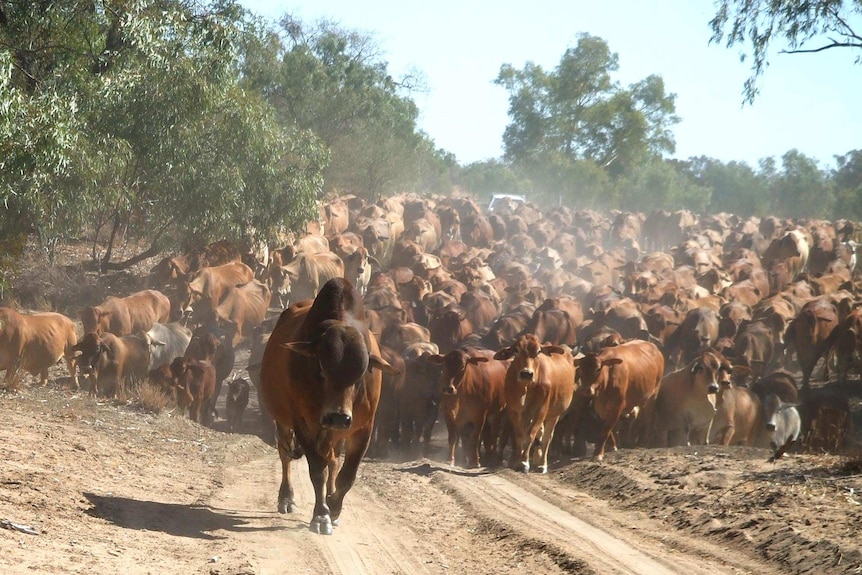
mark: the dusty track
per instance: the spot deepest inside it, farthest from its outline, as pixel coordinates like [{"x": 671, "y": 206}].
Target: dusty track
[{"x": 112, "y": 490}]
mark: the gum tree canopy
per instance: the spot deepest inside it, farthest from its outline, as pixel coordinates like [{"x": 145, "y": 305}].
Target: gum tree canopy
[{"x": 805, "y": 26}]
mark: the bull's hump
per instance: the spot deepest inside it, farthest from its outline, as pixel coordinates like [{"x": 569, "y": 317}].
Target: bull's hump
[{"x": 338, "y": 300}]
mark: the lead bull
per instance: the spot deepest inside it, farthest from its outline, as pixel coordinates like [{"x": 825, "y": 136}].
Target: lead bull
[{"x": 320, "y": 380}]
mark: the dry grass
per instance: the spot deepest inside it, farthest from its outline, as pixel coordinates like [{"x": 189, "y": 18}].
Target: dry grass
[{"x": 151, "y": 399}]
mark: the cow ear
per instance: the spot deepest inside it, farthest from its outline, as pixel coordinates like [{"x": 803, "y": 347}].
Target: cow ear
[
  {"x": 612, "y": 361},
  {"x": 382, "y": 365},
  {"x": 504, "y": 354},
  {"x": 305, "y": 348},
  {"x": 104, "y": 313},
  {"x": 477, "y": 360},
  {"x": 373, "y": 261},
  {"x": 108, "y": 351},
  {"x": 552, "y": 349},
  {"x": 157, "y": 343},
  {"x": 436, "y": 359}
]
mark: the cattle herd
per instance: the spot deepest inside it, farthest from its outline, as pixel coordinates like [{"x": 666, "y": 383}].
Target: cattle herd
[{"x": 528, "y": 331}]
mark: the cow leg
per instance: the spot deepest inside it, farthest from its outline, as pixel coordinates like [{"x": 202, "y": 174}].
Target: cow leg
[
  {"x": 518, "y": 461},
  {"x": 533, "y": 442},
  {"x": 284, "y": 437},
  {"x": 356, "y": 446},
  {"x": 779, "y": 453},
  {"x": 318, "y": 468},
  {"x": 471, "y": 433},
  {"x": 607, "y": 433},
  {"x": 452, "y": 429},
  {"x": 547, "y": 437},
  {"x": 490, "y": 436},
  {"x": 12, "y": 375},
  {"x": 71, "y": 365}
]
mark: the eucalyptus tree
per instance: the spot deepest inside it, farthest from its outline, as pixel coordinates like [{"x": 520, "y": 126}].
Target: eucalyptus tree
[
  {"x": 148, "y": 131},
  {"x": 808, "y": 26},
  {"x": 577, "y": 111},
  {"x": 335, "y": 83}
]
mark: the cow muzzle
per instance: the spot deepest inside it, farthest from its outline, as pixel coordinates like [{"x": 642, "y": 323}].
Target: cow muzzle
[
  {"x": 525, "y": 375},
  {"x": 713, "y": 388},
  {"x": 770, "y": 426},
  {"x": 336, "y": 420}
]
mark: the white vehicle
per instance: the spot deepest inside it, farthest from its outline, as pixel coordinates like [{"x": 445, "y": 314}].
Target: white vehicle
[{"x": 498, "y": 198}]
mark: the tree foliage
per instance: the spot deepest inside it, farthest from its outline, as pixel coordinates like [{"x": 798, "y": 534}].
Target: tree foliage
[
  {"x": 335, "y": 83},
  {"x": 577, "y": 111},
  {"x": 178, "y": 122},
  {"x": 803, "y": 26}
]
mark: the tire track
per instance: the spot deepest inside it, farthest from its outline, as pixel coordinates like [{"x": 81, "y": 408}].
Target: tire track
[{"x": 606, "y": 550}]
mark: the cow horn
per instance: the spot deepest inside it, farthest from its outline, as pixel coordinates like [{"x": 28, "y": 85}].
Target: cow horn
[{"x": 305, "y": 348}]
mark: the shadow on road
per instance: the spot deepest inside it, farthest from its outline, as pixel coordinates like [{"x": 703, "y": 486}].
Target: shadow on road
[{"x": 194, "y": 521}]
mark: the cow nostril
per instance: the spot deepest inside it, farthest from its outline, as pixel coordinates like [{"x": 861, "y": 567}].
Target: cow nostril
[
  {"x": 337, "y": 420},
  {"x": 770, "y": 427},
  {"x": 713, "y": 388},
  {"x": 526, "y": 374}
]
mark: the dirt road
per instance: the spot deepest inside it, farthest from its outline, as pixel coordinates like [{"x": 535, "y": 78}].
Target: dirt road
[
  {"x": 407, "y": 518},
  {"x": 108, "y": 489}
]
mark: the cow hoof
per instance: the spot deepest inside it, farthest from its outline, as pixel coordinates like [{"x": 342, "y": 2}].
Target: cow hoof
[
  {"x": 335, "y": 522},
  {"x": 524, "y": 467},
  {"x": 543, "y": 469},
  {"x": 286, "y": 506},
  {"x": 321, "y": 524}
]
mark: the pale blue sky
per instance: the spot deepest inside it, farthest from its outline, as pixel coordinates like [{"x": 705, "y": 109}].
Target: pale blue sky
[{"x": 812, "y": 102}]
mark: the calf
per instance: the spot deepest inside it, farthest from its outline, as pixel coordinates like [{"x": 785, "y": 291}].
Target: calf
[
  {"x": 685, "y": 404},
  {"x": 213, "y": 345},
  {"x": 237, "y": 401},
  {"x": 472, "y": 399},
  {"x": 739, "y": 416},
  {"x": 195, "y": 382},
  {"x": 621, "y": 379},
  {"x": 109, "y": 361},
  {"x": 539, "y": 389},
  {"x": 783, "y": 424}
]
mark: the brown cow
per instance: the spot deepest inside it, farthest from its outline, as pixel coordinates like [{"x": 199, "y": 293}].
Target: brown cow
[
  {"x": 237, "y": 401},
  {"x": 195, "y": 381},
  {"x": 320, "y": 378},
  {"x": 178, "y": 268},
  {"x": 845, "y": 342},
  {"x": 686, "y": 400},
  {"x": 122, "y": 316},
  {"x": 420, "y": 398},
  {"x": 738, "y": 418},
  {"x": 621, "y": 379},
  {"x": 110, "y": 361},
  {"x": 808, "y": 332},
  {"x": 301, "y": 279},
  {"x": 35, "y": 343},
  {"x": 472, "y": 400},
  {"x": 539, "y": 388},
  {"x": 388, "y": 418},
  {"x": 450, "y": 327},
  {"x": 241, "y": 310},
  {"x": 699, "y": 329},
  {"x": 260, "y": 335},
  {"x": 213, "y": 344},
  {"x": 753, "y": 347},
  {"x": 212, "y": 284}
]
